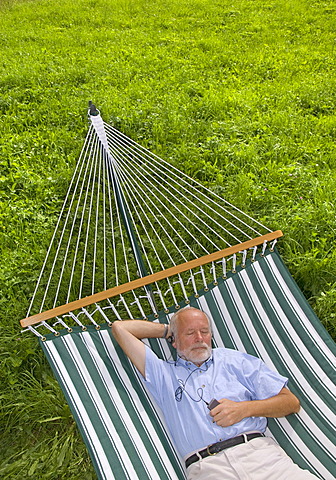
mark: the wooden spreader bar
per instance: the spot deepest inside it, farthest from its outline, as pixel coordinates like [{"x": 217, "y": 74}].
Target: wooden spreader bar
[{"x": 155, "y": 277}]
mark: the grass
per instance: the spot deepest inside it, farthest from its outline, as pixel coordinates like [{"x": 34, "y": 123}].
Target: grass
[{"x": 239, "y": 95}]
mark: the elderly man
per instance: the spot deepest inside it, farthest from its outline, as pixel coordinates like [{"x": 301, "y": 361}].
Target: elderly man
[{"x": 215, "y": 401}]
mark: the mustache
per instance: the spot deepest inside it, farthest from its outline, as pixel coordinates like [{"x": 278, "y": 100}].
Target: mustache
[{"x": 200, "y": 345}]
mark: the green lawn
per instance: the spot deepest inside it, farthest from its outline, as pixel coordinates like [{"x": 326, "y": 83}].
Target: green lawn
[{"x": 239, "y": 94}]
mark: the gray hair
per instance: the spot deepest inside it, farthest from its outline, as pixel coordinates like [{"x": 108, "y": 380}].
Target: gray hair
[{"x": 175, "y": 317}]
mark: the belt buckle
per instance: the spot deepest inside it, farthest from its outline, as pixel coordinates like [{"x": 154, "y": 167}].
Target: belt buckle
[{"x": 208, "y": 451}]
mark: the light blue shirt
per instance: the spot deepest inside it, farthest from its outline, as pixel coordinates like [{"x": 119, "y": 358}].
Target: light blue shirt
[{"x": 181, "y": 389}]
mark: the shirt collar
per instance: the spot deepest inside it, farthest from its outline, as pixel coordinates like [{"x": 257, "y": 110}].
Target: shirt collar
[{"x": 188, "y": 364}]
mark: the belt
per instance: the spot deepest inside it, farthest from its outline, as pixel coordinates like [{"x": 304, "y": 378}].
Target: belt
[{"x": 219, "y": 446}]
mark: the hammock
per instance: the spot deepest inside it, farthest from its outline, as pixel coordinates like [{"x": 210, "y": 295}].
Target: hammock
[{"x": 137, "y": 238}]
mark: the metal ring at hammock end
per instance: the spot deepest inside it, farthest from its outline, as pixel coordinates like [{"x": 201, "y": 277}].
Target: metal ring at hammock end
[{"x": 93, "y": 110}]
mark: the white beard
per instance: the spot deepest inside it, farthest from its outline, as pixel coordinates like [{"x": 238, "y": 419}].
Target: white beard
[{"x": 196, "y": 355}]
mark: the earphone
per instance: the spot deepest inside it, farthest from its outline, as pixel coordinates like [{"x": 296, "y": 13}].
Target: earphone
[{"x": 171, "y": 339}]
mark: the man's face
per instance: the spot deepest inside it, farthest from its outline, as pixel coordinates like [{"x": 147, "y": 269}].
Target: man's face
[{"x": 193, "y": 339}]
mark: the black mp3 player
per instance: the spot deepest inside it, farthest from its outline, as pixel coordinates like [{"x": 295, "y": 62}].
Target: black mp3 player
[{"x": 213, "y": 403}]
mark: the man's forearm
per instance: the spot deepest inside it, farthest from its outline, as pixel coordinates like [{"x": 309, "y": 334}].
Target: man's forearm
[
  {"x": 229, "y": 412},
  {"x": 278, "y": 406},
  {"x": 129, "y": 333},
  {"x": 141, "y": 328}
]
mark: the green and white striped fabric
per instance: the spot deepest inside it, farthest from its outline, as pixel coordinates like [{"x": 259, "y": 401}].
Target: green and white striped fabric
[
  {"x": 123, "y": 433},
  {"x": 258, "y": 309}
]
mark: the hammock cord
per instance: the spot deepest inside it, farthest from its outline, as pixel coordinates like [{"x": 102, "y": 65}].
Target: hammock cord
[
  {"x": 104, "y": 226},
  {"x": 61, "y": 239},
  {"x": 190, "y": 222},
  {"x": 112, "y": 171},
  {"x": 169, "y": 183},
  {"x": 165, "y": 209},
  {"x": 120, "y": 229},
  {"x": 131, "y": 196},
  {"x": 113, "y": 229},
  {"x": 180, "y": 176},
  {"x": 127, "y": 211},
  {"x": 96, "y": 230},
  {"x": 69, "y": 243},
  {"x": 89, "y": 203},
  {"x": 78, "y": 167}
]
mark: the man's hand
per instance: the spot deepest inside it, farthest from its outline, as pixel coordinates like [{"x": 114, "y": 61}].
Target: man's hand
[{"x": 228, "y": 412}]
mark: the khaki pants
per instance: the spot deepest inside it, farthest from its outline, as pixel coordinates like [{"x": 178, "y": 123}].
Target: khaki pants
[{"x": 259, "y": 459}]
